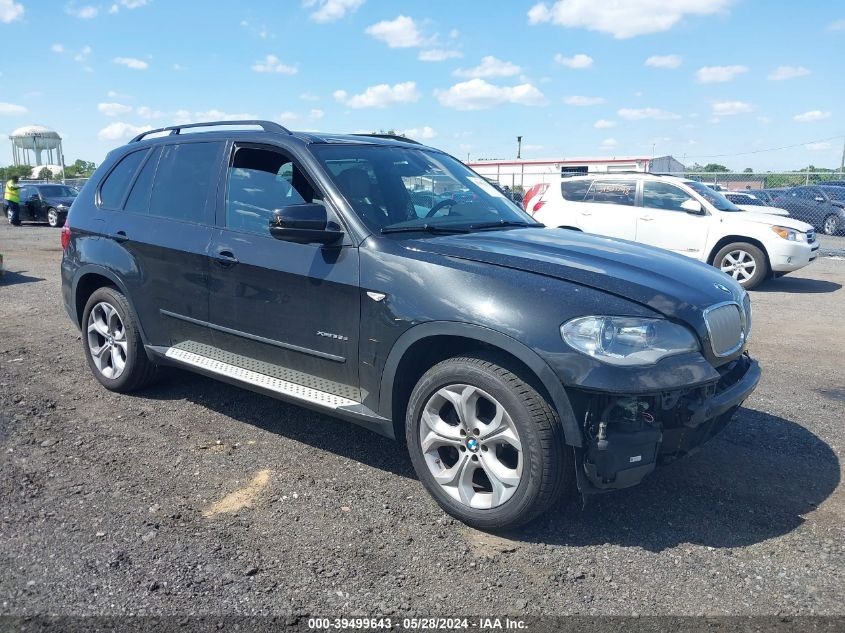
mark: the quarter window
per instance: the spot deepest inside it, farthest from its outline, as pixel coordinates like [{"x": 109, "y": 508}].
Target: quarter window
[
  {"x": 260, "y": 181},
  {"x": 661, "y": 195},
  {"x": 184, "y": 179},
  {"x": 622, "y": 192},
  {"x": 116, "y": 183}
]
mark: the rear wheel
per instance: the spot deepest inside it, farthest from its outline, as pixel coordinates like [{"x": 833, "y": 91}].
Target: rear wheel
[
  {"x": 486, "y": 444},
  {"x": 112, "y": 343},
  {"x": 831, "y": 225},
  {"x": 53, "y": 218},
  {"x": 744, "y": 262}
]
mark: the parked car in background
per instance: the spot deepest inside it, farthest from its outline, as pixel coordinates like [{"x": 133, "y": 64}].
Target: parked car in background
[
  {"x": 750, "y": 202},
  {"x": 680, "y": 215},
  {"x": 45, "y": 203},
  {"x": 515, "y": 362},
  {"x": 766, "y": 195},
  {"x": 823, "y": 206}
]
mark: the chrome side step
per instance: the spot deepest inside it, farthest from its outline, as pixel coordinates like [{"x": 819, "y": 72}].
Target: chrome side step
[{"x": 262, "y": 381}]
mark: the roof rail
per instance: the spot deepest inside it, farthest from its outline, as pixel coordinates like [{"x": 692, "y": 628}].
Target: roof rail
[
  {"x": 391, "y": 137},
  {"x": 267, "y": 126}
]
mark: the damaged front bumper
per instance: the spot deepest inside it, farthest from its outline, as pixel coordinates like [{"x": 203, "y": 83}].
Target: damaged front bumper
[{"x": 627, "y": 436}]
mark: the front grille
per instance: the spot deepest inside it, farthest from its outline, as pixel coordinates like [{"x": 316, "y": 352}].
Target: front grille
[
  {"x": 725, "y": 326},
  {"x": 811, "y": 237}
]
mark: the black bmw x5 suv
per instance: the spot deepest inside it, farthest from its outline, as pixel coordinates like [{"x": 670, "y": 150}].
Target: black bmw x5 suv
[{"x": 515, "y": 362}]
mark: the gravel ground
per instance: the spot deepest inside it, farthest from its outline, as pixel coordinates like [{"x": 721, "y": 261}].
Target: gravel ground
[{"x": 195, "y": 497}]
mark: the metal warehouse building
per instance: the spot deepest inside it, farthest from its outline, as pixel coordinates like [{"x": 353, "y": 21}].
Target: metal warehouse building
[{"x": 525, "y": 173}]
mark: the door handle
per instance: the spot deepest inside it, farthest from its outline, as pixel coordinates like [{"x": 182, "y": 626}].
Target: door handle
[
  {"x": 646, "y": 218},
  {"x": 586, "y": 213},
  {"x": 226, "y": 258},
  {"x": 119, "y": 237}
]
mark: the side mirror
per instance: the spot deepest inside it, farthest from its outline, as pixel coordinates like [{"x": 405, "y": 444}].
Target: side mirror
[
  {"x": 304, "y": 224},
  {"x": 819, "y": 199},
  {"x": 693, "y": 207}
]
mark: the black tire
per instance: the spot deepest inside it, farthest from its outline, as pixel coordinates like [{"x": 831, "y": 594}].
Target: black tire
[
  {"x": 138, "y": 371},
  {"x": 548, "y": 466},
  {"x": 54, "y": 218},
  {"x": 761, "y": 264},
  {"x": 831, "y": 225}
]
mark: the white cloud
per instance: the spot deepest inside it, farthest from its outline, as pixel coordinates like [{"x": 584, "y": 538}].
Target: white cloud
[
  {"x": 57, "y": 48},
  {"x": 316, "y": 114},
  {"x": 603, "y": 124},
  {"x": 812, "y": 115},
  {"x": 490, "y": 67},
  {"x": 309, "y": 96},
  {"x": 114, "y": 109},
  {"x": 728, "y": 108},
  {"x": 119, "y": 130},
  {"x": 788, "y": 72},
  {"x": 10, "y": 11},
  {"x": 837, "y": 25},
  {"x": 86, "y": 12},
  {"x": 583, "y": 101},
  {"x": 272, "y": 64},
  {"x": 82, "y": 55},
  {"x": 477, "y": 94},
  {"x": 637, "y": 114},
  {"x": 380, "y": 96},
  {"x": 331, "y": 10},
  {"x": 288, "y": 117},
  {"x": 438, "y": 55},
  {"x": 145, "y": 112},
  {"x": 11, "y": 109},
  {"x": 133, "y": 4},
  {"x": 576, "y": 61},
  {"x": 711, "y": 74},
  {"x": 131, "y": 62},
  {"x": 423, "y": 133},
  {"x": 401, "y": 32},
  {"x": 664, "y": 61},
  {"x": 609, "y": 143},
  {"x": 621, "y": 18},
  {"x": 816, "y": 147},
  {"x": 112, "y": 94}
]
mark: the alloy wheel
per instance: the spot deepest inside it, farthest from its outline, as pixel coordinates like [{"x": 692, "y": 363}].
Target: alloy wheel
[
  {"x": 471, "y": 446},
  {"x": 107, "y": 340},
  {"x": 53, "y": 218},
  {"x": 831, "y": 224},
  {"x": 739, "y": 264}
]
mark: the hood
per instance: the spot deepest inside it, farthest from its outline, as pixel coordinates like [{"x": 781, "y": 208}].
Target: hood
[
  {"x": 762, "y": 209},
  {"x": 673, "y": 285},
  {"x": 57, "y": 200},
  {"x": 765, "y": 218}
]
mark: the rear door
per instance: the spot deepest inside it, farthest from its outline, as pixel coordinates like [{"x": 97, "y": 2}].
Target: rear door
[
  {"x": 286, "y": 310},
  {"x": 161, "y": 229},
  {"x": 609, "y": 208},
  {"x": 664, "y": 223}
]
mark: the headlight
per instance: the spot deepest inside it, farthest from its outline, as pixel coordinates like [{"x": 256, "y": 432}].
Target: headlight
[
  {"x": 627, "y": 340},
  {"x": 790, "y": 234}
]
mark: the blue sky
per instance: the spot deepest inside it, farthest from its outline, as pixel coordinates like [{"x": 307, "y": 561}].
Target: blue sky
[{"x": 691, "y": 78}]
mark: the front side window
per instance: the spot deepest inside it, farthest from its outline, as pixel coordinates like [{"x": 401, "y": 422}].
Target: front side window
[
  {"x": 184, "y": 179},
  {"x": 139, "y": 198},
  {"x": 661, "y": 195},
  {"x": 113, "y": 189},
  {"x": 399, "y": 189},
  {"x": 260, "y": 181},
  {"x": 623, "y": 191},
  {"x": 715, "y": 198}
]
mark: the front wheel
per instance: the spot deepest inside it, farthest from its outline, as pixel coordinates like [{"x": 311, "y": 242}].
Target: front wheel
[
  {"x": 54, "y": 219},
  {"x": 486, "y": 444},
  {"x": 831, "y": 225},
  {"x": 744, "y": 262}
]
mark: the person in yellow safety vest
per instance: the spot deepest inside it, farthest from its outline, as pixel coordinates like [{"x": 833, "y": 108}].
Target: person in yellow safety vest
[{"x": 13, "y": 199}]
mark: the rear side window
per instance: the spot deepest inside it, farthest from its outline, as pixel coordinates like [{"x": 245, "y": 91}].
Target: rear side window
[
  {"x": 622, "y": 192},
  {"x": 117, "y": 182},
  {"x": 574, "y": 190},
  {"x": 184, "y": 179},
  {"x": 139, "y": 197}
]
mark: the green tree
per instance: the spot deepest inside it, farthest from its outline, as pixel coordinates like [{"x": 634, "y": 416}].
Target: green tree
[
  {"x": 45, "y": 174},
  {"x": 22, "y": 171},
  {"x": 79, "y": 169},
  {"x": 748, "y": 170},
  {"x": 715, "y": 167}
]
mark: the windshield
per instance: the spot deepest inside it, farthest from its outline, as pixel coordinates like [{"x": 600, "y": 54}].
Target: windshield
[
  {"x": 397, "y": 188},
  {"x": 713, "y": 197},
  {"x": 58, "y": 191}
]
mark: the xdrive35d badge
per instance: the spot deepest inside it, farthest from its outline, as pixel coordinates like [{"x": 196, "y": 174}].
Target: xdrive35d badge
[{"x": 517, "y": 363}]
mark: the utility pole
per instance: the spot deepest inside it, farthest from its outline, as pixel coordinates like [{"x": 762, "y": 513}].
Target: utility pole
[
  {"x": 519, "y": 147},
  {"x": 842, "y": 164}
]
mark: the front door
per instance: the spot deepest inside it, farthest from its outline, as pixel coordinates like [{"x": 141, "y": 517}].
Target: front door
[
  {"x": 664, "y": 223},
  {"x": 289, "y": 311}
]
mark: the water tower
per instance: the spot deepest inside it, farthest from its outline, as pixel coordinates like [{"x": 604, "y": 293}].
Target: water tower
[{"x": 32, "y": 141}]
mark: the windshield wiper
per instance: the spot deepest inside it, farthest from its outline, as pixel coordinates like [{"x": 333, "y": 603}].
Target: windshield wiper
[
  {"x": 501, "y": 224},
  {"x": 423, "y": 228}
]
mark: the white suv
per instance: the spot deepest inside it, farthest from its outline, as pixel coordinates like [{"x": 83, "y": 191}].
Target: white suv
[{"x": 680, "y": 215}]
